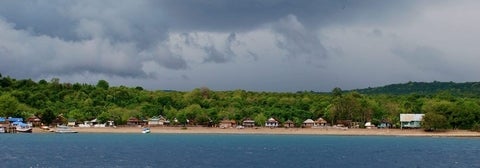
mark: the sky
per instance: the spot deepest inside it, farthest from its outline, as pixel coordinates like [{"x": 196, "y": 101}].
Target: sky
[{"x": 256, "y": 45}]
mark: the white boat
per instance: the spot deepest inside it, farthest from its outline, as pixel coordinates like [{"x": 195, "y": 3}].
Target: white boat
[
  {"x": 145, "y": 130},
  {"x": 64, "y": 130},
  {"x": 22, "y": 127}
]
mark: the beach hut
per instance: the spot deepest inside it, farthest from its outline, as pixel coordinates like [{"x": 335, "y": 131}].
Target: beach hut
[
  {"x": 369, "y": 125},
  {"x": 385, "y": 124},
  {"x": 4, "y": 124},
  {"x": 411, "y": 120},
  {"x": 321, "y": 122},
  {"x": 60, "y": 120},
  {"x": 34, "y": 121},
  {"x": 271, "y": 123},
  {"x": 132, "y": 121},
  {"x": 345, "y": 123},
  {"x": 71, "y": 122},
  {"x": 227, "y": 123},
  {"x": 288, "y": 124},
  {"x": 309, "y": 123},
  {"x": 156, "y": 121},
  {"x": 248, "y": 123}
]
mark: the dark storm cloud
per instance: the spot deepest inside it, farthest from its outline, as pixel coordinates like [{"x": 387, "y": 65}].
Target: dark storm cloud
[
  {"x": 131, "y": 39},
  {"x": 424, "y": 58},
  {"x": 220, "y": 15}
]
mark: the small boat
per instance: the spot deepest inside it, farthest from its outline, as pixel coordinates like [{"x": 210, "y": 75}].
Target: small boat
[
  {"x": 145, "y": 130},
  {"x": 64, "y": 130},
  {"x": 22, "y": 127}
]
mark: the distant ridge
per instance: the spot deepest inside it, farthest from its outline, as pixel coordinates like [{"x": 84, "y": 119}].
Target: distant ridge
[{"x": 426, "y": 88}]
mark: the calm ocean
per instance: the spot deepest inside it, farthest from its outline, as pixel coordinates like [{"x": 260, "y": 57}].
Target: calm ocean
[{"x": 242, "y": 151}]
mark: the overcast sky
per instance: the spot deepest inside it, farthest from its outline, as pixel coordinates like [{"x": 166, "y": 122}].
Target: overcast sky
[{"x": 258, "y": 45}]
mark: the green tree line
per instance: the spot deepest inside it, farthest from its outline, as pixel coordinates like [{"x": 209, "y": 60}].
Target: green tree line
[{"x": 49, "y": 99}]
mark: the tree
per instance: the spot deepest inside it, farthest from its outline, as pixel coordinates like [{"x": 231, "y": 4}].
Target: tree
[
  {"x": 47, "y": 116},
  {"x": 8, "y": 106},
  {"x": 433, "y": 122},
  {"x": 337, "y": 92},
  {"x": 103, "y": 84},
  {"x": 260, "y": 119}
]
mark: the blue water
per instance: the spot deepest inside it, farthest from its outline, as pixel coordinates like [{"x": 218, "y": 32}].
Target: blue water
[{"x": 243, "y": 151}]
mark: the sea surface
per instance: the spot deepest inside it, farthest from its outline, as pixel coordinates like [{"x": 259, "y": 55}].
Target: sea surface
[{"x": 232, "y": 151}]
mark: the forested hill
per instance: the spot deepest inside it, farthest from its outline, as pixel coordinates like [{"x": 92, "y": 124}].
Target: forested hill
[
  {"x": 56, "y": 103},
  {"x": 426, "y": 88}
]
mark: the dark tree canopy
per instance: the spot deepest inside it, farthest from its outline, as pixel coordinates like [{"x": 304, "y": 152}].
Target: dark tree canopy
[{"x": 456, "y": 106}]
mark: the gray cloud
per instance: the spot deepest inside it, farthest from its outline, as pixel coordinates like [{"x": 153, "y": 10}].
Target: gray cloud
[
  {"x": 298, "y": 41},
  {"x": 213, "y": 55},
  {"x": 171, "y": 41},
  {"x": 424, "y": 58}
]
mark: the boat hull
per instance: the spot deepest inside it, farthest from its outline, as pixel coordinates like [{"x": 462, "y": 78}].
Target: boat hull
[{"x": 24, "y": 130}]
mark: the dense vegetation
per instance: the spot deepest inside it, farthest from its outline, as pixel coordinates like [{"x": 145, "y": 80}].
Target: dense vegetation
[
  {"x": 49, "y": 99},
  {"x": 470, "y": 89}
]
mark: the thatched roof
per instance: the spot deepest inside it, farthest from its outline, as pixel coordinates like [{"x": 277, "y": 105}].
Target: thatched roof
[
  {"x": 309, "y": 121},
  {"x": 225, "y": 121},
  {"x": 271, "y": 120},
  {"x": 133, "y": 119},
  {"x": 321, "y": 120}
]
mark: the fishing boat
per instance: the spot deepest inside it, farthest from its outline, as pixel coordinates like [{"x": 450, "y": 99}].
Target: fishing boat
[
  {"x": 22, "y": 127},
  {"x": 64, "y": 130},
  {"x": 145, "y": 130}
]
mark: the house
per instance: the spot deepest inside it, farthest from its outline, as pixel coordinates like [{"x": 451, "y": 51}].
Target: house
[
  {"x": 4, "y": 124},
  {"x": 309, "y": 123},
  {"x": 71, "y": 122},
  {"x": 156, "y": 121},
  {"x": 347, "y": 123},
  {"x": 321, "y": 122},
  {"x": 271, "y": 123},
  {"x": 411, "y": 120},
  {"x": 248, "y": 123},
  {"x": 369, "y": 125},
  {"x": 288, "y": 124},
  {"x": 59, "y": 120},
  {"x": 227, "y": 123},
  {"x": 385, "y": 124},
  {"x": 34, "y": 121},
  {"x": 132, "y": 121}
]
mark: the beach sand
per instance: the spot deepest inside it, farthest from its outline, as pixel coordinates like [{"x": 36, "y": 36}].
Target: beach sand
[{"x": 280, "y": 131}]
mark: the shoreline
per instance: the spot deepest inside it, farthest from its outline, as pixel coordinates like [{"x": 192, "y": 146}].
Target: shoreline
[{"x": 279, "y": 131}]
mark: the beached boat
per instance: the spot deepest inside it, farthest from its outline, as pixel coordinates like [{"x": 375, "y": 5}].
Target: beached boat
[
  {"x": 22, "y": 127},
  {"x": 64, "y": 130},
  {"x": 146, "y": 130}
]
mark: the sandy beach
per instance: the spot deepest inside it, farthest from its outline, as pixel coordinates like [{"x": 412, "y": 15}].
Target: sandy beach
[{"x": 279, "y": 131}]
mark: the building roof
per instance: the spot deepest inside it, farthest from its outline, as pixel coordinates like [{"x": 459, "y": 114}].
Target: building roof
[
  {"x": 271, "y": 120},
  {"x": 225, "y": 121},
  {"x": 11, "y": 119},
  {"x": 321, "y": 120},
  {"x": 33, "y": 119},
  {"x": 309, "y": 121},
  {"x": 2, "y": 119},
  {"x": 289, "y": 122},
  {"x": 411, "y": 117},
  {"x": 133, "y": 119}
]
